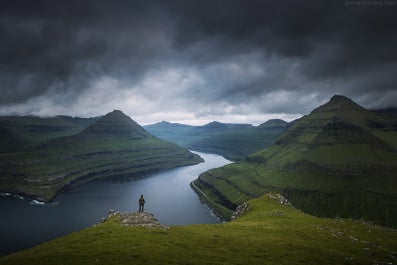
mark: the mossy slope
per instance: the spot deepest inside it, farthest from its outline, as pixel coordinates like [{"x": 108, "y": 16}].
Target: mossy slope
[
  {"x": 17, "y": 132},
  {"x": 270, "y": 233},
  {"x": 114, "y": 145},
  {"x": 341, "y": 160}
]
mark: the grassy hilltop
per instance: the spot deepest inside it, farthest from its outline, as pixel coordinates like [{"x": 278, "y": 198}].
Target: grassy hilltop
[
  {"x": 270, "y": 233},
  {"x": 340, "y": 160},
  {"x": 113, "y": 145}
]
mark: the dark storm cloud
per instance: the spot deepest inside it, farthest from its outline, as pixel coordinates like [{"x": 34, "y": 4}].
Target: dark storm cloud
[
  {"x": 243, "y": 50},
  {"x": 52, "y": 45},
  {"x": 329, "y": 41}
]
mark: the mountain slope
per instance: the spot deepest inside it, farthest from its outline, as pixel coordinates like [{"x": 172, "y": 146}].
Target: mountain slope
[
  {"x": 114, "y": 145},
  {"x": 270, "y": 233},
  {"x": 274, "y": 123},
  {"x": 18, "y": 132},
  {"x": 116, "y": 124},
  {"x": 233, "y": 141},
  {"x": 341, "y": 160}
]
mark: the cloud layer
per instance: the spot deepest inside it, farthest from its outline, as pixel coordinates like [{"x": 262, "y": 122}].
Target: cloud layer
[{"x": 189, "y": 61}]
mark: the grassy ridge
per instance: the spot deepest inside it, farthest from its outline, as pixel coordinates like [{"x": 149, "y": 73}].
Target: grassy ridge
[
  {"x": 44, "y": 171},
  {"x": 229, "y": 186},
  {"x": 337, "y": 161},
  {"x": 17, "y": 132},
  {"x": 270, "y": 233}
]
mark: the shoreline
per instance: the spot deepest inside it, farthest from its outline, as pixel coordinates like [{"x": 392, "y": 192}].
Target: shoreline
[
  {"x": 25, "y": 197},
  {"x": 37, "y": 200},
  {"x": 29, "y": 202}
]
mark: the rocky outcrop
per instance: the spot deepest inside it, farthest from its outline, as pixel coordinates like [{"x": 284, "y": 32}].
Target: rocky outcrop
[
  {"x": 145, "y": 219},
  {"x": 241, "y": 210},
  {"x": 278, "y": 197}
]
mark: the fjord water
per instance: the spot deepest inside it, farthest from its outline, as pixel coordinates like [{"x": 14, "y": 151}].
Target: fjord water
[{"x": 167, "y": 193}]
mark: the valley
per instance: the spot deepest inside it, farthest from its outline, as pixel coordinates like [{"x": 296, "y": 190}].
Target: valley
[
  {"x": 233, "y": 141},
  {"x": 223, "y": 132},
  {"x": 319, "y": 190}
]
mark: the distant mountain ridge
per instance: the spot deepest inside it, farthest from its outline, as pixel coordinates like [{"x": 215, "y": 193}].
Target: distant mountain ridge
[
  {"x": 113, "y": 145},
  {"x": 274, "y": 123},
  {"x": 340, "y": 160},
  {"x": 17, "y": 132},
  {"x": 389, "y": 111},
  {"x": 231, "y": 140},
  {"x": 215, "y": 125}
]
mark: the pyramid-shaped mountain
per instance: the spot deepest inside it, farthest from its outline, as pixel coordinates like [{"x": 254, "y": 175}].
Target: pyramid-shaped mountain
[
  {"x": 340, "y": 121},
  {"x": 114, "y": 145},
  {"x": 117, "y": 124},
  {"x": 340, "y": 160}
]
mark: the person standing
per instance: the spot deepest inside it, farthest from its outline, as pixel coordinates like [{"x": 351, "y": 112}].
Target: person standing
[{"x": 141, "y": 203}]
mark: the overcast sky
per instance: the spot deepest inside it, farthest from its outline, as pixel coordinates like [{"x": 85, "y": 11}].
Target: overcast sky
[{"x": 195, "y": 61}]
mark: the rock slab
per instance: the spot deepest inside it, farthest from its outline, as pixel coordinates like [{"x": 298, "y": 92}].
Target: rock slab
[{"x": 144, "y": 219}]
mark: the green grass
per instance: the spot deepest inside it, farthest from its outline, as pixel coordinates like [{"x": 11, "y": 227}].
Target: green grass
[
  {"x": 338, "y": 161},
  {"x": 43, "y": 171},
  {"x": 270, "y": 233},
  {"x": 18, "y": 132},
  {"x": 371, "y": 196},
  {"x": 113, "y": 146}
]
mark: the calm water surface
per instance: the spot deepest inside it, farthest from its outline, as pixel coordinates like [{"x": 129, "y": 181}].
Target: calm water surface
[{"x": 168, "y": 196}]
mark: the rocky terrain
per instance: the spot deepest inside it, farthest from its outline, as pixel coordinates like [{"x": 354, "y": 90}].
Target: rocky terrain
[{"x": 144, "y": 219}]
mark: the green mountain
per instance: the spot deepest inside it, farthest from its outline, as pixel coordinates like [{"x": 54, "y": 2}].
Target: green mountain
[
  {"x": 274, "y": 123},
  {"x": 340, "y": 160},
  {"x": 269, "y": 233},
  {"x": 174, "y": 132},
  {"x": 114, "y": 145},
  {"x": 17, "y": 132},
  {"x": 233, "y": 141}
]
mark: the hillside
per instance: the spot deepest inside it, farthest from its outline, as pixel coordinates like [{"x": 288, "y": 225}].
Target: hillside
[
  {"x": 274, "y": 123},
  {"x": 340, "y": 160},
  {"x": 17, "y": 132},
  {"x": 269, "y": 233},
  {"x": 114, "y": 145},
  {"x": 233, "y": 141}
]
